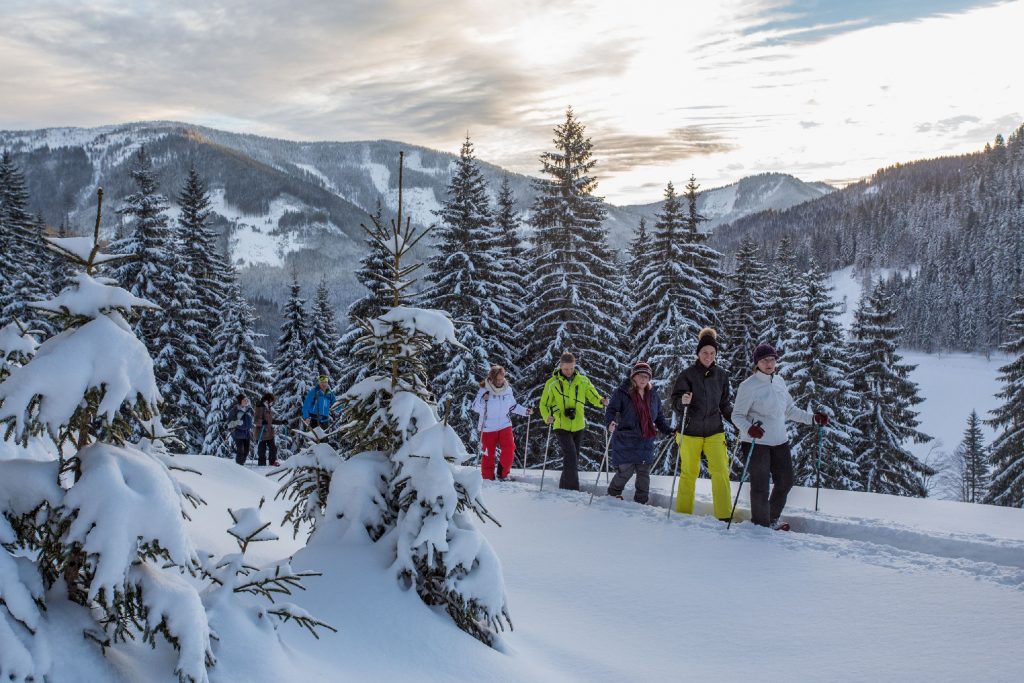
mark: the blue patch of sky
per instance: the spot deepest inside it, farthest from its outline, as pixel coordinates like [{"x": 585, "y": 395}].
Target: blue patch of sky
[{"x": 812, "y": 20}]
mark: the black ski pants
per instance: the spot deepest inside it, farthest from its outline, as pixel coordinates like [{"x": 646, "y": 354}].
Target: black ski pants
[
  {"x": 261, "y": 452},
  {"x": 776, "y": 463},
  {"x": 623, "y": 473},
  {"x": 570, "y": 443},
  {"x": 242, "y": 450}
]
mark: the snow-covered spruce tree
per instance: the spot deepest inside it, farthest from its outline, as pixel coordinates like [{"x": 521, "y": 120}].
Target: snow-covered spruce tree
[
  {"x": 402, "y": 489},
  {"x": 239, "y": 366},
  {"x": 782, "y": 293},
  {"x": 182, "y": 363},
  {"x": 819, "y": 377},
  {"x": 706, "y": 261},
  {"x": 745, "y": 311},
  {"x": 372, "y": 274},
  {"x": 323, "y": 337},
  {"x": 672, "y": 303},
  {"x": 966, "y": 474},
  {"x": 512, "y": 254},
  {"x": 24, "y": 268},
  {"x": 1007, "y": 451},
  {"x": 204, "y": 263},
  {"x": 885, "y": 417},
  {"x": 293, "y": 371},
  {"x": 636, "y": 255},
  {"x": 150, "y": 243},
  {"x": 468, "y": 280},
  {"x": 114, "y": 539},
  {"x": 573, "y": 303}
]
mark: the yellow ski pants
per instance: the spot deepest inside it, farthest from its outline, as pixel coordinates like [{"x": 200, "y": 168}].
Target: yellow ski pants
[{"x": 714, "y": 449}]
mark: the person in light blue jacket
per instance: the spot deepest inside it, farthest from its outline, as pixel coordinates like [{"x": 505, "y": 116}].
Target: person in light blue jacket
[{"x": 320, "y": 401}]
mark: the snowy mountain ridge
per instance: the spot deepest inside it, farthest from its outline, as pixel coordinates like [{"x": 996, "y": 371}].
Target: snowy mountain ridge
[{"x": 357, "y": 173}]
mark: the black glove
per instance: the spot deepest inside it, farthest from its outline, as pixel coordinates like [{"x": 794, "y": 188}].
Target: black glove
[
  {"x": 756, "y": 430},
  {"x": 820, "y": 419}
]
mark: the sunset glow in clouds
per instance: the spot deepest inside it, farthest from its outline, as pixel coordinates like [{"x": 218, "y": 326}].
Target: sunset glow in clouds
[{"x": 824, "y": 90}]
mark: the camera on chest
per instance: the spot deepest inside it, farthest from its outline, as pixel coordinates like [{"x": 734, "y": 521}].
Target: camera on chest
[{"x": 570, "y": 413}]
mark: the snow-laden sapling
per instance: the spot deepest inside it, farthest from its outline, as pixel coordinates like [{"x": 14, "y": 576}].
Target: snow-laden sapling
[
  {"x": 104, "y": 529},
  {"x": 233, "y": 575},
  {"x": 403, "y": 488}
]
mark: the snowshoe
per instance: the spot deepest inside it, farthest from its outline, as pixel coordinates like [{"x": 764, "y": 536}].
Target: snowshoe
[{"x": 778, "y": 525}]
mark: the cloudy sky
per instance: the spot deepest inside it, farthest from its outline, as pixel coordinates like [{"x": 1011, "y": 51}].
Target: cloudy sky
[{"x": 826, "y": 90}]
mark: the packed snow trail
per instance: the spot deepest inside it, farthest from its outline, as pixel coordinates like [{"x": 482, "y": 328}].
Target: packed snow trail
[
  {"x": 613, "y": 591},
  {"x": 944, "y": 529}
]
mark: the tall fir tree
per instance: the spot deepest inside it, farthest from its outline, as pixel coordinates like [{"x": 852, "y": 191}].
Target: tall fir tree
[
  {"x": 703, "y": 259},
  {"x": 1007, "y": 454},
  {"x": 468, "y": 280},
  {"x": 512, "y": 253},
  {"x": 25, "y": 274},
  {"x": 967, "y": 476},
  {"x": 150, "y": 243},
  {"x": 819, "y": 379},
  {"x": 240, "y": 366},
  {"x": 204, "y": 262},
  {"x": 783, "y": 281},
  {"x": 885, "y": 417},
  {"x": 322, "y": 334},
  {"x": 572, "y": 303},
  {"x": 372, "y": 275},
  {"x": 743, "y": 318},
  {"x": 293, "y": 367},
  {"x": 672, "y": 305},
  {"x": 182, "y": 365}
]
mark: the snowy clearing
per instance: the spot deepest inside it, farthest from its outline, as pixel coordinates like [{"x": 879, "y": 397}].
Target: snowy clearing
[{"x": 873, "y": 588}]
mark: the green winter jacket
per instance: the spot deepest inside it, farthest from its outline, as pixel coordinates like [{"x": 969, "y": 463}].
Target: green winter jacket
[{"x": 561, "y": 393}]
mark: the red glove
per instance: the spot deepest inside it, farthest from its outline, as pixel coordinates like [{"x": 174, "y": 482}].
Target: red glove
[
  {"x": 756, "y": 431},
  {"x": 820, "y": 419}
]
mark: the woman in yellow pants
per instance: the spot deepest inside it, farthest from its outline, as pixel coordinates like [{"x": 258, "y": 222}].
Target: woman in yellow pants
[{"x": 702, "y": 392}]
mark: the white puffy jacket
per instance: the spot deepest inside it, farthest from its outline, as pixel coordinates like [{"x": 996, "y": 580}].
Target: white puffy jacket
[
  {"x": 494, "y": 412},
  {"x": 766, "y": 398}
]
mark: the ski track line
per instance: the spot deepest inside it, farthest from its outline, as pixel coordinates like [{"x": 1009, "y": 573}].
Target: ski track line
[{"x": 874, "y": 542}]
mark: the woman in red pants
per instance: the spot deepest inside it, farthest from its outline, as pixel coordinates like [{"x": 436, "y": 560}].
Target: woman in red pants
[{"x": 495, "y": 404}]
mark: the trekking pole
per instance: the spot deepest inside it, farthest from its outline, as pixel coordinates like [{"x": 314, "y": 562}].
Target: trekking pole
[
  {"x": 526, "y": 447},
  {"x": 742, "y": 477},
  {"x": 604, "y": 461},
  {"x": 544, "y": 469},
  {"x": 817, "y": 471},
  {"x": 675, "y": 470}
]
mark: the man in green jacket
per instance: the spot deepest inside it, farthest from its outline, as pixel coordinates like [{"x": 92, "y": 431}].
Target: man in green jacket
[{"x": 562, "y": 402}]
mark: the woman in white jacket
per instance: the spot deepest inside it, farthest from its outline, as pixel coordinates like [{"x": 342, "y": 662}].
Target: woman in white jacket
[
  {"x": 762, "y": 406},
  {"x": 495, "y": 403}
]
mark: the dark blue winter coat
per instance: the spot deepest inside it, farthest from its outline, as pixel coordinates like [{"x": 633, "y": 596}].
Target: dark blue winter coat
[
  {"x": 318, "y": 404},
  {"x": 628, "y": 445},
  {"x": 241, "y": 423}
]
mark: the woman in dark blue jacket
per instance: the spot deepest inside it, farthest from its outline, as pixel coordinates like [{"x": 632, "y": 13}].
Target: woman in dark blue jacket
[
  {"x": 241, "y": 429},
  {"x": 634, "y": 418}
]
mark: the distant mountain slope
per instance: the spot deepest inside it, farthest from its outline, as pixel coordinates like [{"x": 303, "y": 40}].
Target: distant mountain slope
[{"x": 286, "y": 205}]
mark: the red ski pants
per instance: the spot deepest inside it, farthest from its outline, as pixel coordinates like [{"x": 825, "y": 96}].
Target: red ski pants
[{"x": 503, "y": 440}]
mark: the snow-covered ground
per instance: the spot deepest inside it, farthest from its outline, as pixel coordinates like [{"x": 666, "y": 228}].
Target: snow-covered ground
[{"x": 872, "y": 588}]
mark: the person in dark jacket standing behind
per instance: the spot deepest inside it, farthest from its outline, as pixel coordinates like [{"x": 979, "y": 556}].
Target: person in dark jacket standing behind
[
  {"x": 702, "y": 390},
  {"x": 634, "y": 418},
  {"x": 264, "y": 428},
  {"x": 241, "y": 429}
]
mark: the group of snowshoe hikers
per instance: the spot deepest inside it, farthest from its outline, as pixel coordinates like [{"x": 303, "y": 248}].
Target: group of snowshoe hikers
[
  {"x": 633, "y": 417},
  {"x": 317, "y": 409}
]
